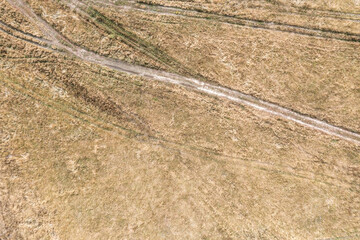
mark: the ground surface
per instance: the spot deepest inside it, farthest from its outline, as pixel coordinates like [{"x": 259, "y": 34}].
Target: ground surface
[{"x": 90, "y": 152}]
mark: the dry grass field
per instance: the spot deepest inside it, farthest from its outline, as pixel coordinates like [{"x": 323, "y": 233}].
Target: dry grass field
[{"x": 88, "y": 151}]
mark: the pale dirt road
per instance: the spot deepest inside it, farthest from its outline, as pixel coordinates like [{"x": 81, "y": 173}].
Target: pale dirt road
[{"x": 217, "y": 91}]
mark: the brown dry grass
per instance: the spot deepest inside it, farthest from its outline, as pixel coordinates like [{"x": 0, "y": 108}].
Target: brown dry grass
[
  {"x": 89, "y": 153},
  {"x": 271, "y": 11},
  {"x": 345, "y": 6},
  {"x": 12, "y": 17},
  {"x": 314, "y": 76}
]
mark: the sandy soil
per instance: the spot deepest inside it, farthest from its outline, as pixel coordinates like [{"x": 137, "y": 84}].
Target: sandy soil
[{"x": 90, "y": 152}]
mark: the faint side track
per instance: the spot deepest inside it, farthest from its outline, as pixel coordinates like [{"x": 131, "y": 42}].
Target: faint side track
[
  {"x": 289, "y": 10},
  {"x": 240, "y": 21},
  {"x": 94, "y": 121},
  {"x": 99, "y": 123},
  {"x": 312, "y": 12},
  {"x": 190, "y": 83},
  {"x": 131, "y": 39},
  {"x": 296, "y": 10},
  {"x": 27, "y": 37}
]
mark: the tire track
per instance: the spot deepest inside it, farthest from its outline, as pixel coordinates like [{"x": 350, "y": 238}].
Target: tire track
[
  {"x": 173, "y": 145},
  {"x": 309, "y": 14},
  {"x": 211, "y": 203},
  {"x": 190, "y": 83},
  {"x": 128, "y": 133},
  {"x": 34, "y": 40},
  {"x": 297, "y": 11},
  {"x": 204, "y": 192},
  {"x": 293, "y": 9},
  {"x": 110, "y": 126},
  {"x": 244, "y": 22},
  {"x": 8, "y": 26},
  {"x": 319, "y": 12},
  {"x": 107, "y": 25}
]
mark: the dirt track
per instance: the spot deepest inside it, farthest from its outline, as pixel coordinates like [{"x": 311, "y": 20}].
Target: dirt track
[
  {"x": 92, "y": 147},
  {"x": 241, "y": 21},
  {"x": 218, "y": 91}
]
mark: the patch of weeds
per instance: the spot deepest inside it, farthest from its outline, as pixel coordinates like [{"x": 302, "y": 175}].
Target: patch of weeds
[
  {"x": 274, "y": 2},
  {"x": 119, "y": 2},
  {"x": 139, "y": 44},
  {"x": 138, "y": 83}
]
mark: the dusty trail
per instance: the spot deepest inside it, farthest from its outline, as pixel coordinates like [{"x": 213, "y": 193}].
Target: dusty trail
[
  {"x": 311, "y": 12},
  {"x": 37, "y": 41},
  {"x": 290, "y": 10},
  {"x": 240, "y": 21},
  {"x": 190, "y": 83}
]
